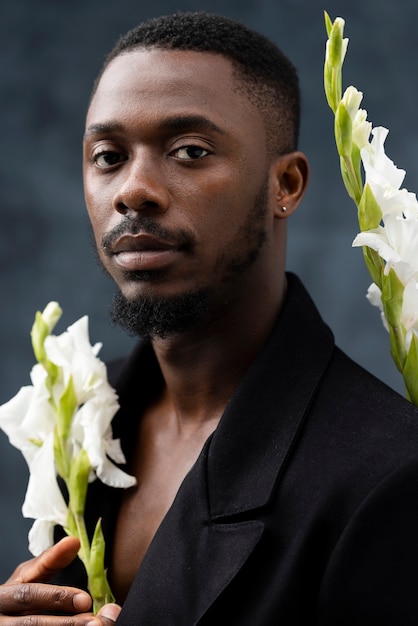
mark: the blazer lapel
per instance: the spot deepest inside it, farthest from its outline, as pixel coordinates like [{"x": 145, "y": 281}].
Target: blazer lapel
[
  {"x": 190, "y": 560},
  {"x": 265, "y": 415}
]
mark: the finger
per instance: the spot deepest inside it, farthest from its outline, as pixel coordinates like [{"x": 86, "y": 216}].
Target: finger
[
  {"x": 38, "y": 598},
  {"x": 43, "y": 567},
  {"x": 86, "y": 619},
  {"x": 108, "y": 614}
]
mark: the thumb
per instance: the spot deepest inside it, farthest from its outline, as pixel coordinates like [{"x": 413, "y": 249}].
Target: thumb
[
  {"x": 44, "y": 566},
  {"x": 109, "y": 614}
]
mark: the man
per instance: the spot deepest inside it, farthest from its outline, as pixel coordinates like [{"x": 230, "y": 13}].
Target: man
[{"x": 277, "y": 480}]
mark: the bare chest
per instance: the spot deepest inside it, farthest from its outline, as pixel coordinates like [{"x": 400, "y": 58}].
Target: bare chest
[{"x": 160, "y": 467}]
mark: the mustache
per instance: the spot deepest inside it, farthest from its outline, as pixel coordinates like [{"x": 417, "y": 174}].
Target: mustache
[{"x": 146, "y": 225}]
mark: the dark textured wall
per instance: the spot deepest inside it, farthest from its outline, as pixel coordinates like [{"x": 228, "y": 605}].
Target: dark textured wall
[{"x": 50, "y": 53}]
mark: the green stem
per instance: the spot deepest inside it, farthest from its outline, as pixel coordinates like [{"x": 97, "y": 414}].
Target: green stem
[
  {"x": 351, "y": 175},
  {"x": 84, "y": 552},
  {"x": 92, "y": 557},
  {"x": 397, "y": 340}
]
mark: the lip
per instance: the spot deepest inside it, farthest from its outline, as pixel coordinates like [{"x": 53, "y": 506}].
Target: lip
[{"x": 143, "y": 252}]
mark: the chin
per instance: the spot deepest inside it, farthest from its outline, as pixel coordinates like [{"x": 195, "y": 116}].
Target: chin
[{"x": 150, "y": 315}]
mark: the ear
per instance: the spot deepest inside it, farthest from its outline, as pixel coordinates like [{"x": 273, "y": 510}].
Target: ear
[{"x": 290, "y": 175}]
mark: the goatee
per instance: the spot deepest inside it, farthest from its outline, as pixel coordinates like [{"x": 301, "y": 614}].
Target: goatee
[{"x": 152, "y": 317}]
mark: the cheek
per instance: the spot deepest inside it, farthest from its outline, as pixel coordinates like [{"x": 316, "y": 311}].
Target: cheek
[
  {"x": 99, "y": 209},
  {"x": 223, "y": 206}
]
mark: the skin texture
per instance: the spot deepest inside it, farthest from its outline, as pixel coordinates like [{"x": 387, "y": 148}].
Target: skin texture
[{"x": 171, "y": 143}]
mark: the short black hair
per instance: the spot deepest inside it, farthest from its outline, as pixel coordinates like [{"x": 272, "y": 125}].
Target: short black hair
[{"x": 266, "y": 75}]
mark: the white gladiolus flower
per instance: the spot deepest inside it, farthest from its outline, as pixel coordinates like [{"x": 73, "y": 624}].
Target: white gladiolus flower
[
  {"x": 385, "y": 179},
  {"x": 396, "y": 242},
  {"x": 409, "y": 314},
  {"x": 361, "y": 128},
  {"x": 30, "y": 420},
  {"x": 374, "y": 296},
  {"x": 44, "y": 501},
  {"x": 73, "y": 353},
  {"x": 92, "y": 422},
  {"x": 410, "y": 310}
]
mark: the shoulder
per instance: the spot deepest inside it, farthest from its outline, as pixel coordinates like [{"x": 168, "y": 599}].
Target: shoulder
[
  {"x": 371, "y": 575},
  {"x": 348, "y": 388},
  {"x": 358, "y": 433}
]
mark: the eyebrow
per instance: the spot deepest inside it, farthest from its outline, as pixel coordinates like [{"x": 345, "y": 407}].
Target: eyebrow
[
  {"x": 105, "y": 128},
  {"x": 175, "y": 123}
]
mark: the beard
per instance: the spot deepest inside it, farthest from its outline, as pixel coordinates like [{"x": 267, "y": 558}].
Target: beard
[
  {"x": 149, "y": 316},
  {"x": 152, "y": 316}
]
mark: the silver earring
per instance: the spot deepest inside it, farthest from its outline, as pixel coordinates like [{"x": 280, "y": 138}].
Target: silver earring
[{"x": 284, "y": 209}]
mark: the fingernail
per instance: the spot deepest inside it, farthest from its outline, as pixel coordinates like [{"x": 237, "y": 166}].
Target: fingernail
[
  {"x": 82, "y": 602},
  {"x": 110, "y": 611}
]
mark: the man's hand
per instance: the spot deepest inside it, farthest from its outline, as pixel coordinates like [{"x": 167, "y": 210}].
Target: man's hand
[{"x": 25, "y": 593}]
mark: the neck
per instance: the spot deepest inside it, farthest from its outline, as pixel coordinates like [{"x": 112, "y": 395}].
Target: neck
[{"x": 202, "y": 368}]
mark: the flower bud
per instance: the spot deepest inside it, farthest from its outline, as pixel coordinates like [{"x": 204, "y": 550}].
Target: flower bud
[
  {"x": 369, "y": 211},
  {"x": 343, "y": 130},
  {"x": 336, "y": 48},
  {"x": 51, "y": 314},
  {"x": 42, "y": 327},
  {"x": 98, "y": 585}
]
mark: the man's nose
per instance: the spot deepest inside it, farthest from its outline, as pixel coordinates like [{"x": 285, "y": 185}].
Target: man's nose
[{"x": 141, "y": 187}]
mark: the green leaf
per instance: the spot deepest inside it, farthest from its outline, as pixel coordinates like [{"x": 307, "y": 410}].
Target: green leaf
[
  {"x": 348, "y": 179},
  {"x": 39, "y": 332},
  {"x": 60, "y": 455},
  {"x": 328, "y": 23},
  {"x": 67, "y": 405},
  {"x": 357, "y": 165},
  {"x": 374, "y": 264},
  {"x": 397, "y": 345},
  {"x": 71, "y": 527},
  {"x": 392, "y": 297},
  {"x": 369, "y": 211},
  {"x": 410, "y": 371},
  {"x": 97, "y": 580},
  {"x": 80, "y": 467},
  {"x": 343, "y": 128}
]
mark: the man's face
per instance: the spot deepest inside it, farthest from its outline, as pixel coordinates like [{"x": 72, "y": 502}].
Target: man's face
[{"x": 176, "y": 177}]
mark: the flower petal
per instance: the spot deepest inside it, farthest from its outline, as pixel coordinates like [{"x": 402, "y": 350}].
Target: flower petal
[
  {"x": 41, "y": 536},
  {"x": 43, "y": 498},
  {"x": 113, "y": 476}
]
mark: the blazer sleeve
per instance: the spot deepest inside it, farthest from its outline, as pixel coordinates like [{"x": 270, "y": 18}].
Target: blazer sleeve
[{"x": 372, "y": 576}]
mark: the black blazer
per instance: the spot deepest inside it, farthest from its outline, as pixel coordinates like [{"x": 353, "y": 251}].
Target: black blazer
[{"x": 302, "y": 508}]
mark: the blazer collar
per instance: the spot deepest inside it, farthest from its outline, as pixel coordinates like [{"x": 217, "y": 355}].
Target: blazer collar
[{"x": 267, "y": 411}]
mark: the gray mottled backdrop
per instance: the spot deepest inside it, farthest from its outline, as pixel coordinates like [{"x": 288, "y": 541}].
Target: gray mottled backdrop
[{"x": 50, "y": 52}]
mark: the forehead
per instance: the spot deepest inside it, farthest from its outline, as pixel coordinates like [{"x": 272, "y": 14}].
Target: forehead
[{"x": 151, "y": 81}]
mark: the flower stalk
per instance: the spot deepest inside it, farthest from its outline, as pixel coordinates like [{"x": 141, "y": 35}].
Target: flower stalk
[
  {"x": 62, "y": 425},
  {"x": 387, "y": 214}
]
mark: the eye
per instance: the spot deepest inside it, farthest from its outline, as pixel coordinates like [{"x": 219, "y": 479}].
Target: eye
[
  {"x": 190, "y": 153},
  {"x": 107, "y": 159}
]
